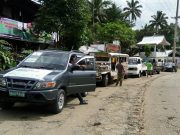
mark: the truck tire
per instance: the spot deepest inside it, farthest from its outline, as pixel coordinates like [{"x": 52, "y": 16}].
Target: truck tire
[
  {"x": 139, "y": 75},
  {"x": 105, "y": 80},
  {"x": 59, "y": 102},
  {"x": 6, "y": 105},
  {"x": 158, "y": 72}
]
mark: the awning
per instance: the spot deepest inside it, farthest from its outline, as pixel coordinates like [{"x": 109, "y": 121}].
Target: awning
[{"x": 153, "y": 40}]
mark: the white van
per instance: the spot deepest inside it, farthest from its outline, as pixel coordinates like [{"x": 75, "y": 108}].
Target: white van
[{"x": 136, "y": 66}]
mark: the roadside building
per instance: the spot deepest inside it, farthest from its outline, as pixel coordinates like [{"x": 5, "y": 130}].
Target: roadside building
[
  {"x": 157, "y": 46},
  {"x": 16, "y": 17}
]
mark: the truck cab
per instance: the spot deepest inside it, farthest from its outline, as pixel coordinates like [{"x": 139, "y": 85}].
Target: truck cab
[{"x": 46, "y": 77}]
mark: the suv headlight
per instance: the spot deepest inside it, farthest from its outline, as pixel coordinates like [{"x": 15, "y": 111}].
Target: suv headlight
[
  {"x": 3, "y": 82},
  {"x": 45, "y": 85}
]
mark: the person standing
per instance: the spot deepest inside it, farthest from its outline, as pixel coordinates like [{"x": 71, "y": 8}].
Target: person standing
[
  {"x": 72, "y": 63},
  {"x": 149, "y": 68},
  {"x": 120, "y": 73}
]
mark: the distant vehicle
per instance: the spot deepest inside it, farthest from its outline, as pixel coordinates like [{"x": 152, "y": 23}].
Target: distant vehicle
[
  {"x": 47, "y": 77},
  {"x": 169, "y": 66},
  {"x": 106, "y": 66},
  {"x": 136, "y": 67},
  {"x": 157, "y": 66}
]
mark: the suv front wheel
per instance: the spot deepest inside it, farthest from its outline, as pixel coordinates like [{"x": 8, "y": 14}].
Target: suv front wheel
[{"x": 58, "y": 104}]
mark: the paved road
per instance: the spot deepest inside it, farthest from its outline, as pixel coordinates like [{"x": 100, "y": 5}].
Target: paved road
[{"x": 162, "y": 106}]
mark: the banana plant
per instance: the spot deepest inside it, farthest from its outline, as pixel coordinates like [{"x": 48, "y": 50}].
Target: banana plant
[{"x": 6, "y": 57}]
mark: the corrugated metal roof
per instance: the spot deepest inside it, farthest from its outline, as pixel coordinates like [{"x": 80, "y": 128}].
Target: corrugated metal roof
[{"x": 154, "y": 40}]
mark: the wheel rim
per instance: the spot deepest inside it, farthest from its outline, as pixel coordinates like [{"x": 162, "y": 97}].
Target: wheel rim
[{"x": 61, "y": 101}]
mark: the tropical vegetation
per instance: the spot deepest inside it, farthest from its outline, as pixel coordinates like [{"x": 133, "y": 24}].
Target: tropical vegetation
[
  {"x": 159, "y": 21},
  {"x": 80, "y": 22},
  {"x": 133, "y": 10},
  {"x": 6, "y": 57}
]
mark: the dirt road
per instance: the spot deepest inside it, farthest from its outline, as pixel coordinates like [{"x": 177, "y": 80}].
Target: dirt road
[
  {"x": 162, "y": 102},
  {"x": 110, "y": 111}
]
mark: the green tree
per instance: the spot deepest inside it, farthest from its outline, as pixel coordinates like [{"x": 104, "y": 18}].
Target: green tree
[
  {"x": 133, "y": 10},
  {"x": 114, "y": 13},
  {"x": 98, "y": 10},
  {"x": 159, "y": 21},
  {"x": 147, "y": 50},
  {"x": 68, "y": 18},
  {"x": 116, "y": 31}
]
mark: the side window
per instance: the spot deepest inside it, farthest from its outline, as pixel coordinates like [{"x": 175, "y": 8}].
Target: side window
[
  {"x": 82, "y": 62},
  {"x": 90, "y": 64},
  {"x": 87, "y": 63}
]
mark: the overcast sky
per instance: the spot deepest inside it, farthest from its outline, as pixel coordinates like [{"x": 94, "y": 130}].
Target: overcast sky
[{"x": 150, "y": 7}]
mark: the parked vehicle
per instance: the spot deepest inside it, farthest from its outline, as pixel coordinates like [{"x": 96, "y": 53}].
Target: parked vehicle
[
  {"x": 106, "y": 66},
  {"x": 157, "y": 66},
  {"x": 46, "y": 77},
  {"x": 170, "y": 66},
  {"x": 136, "y": 67}
]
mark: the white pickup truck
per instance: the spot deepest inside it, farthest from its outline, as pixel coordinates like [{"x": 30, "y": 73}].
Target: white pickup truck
[{"x": 136, "y": 67}]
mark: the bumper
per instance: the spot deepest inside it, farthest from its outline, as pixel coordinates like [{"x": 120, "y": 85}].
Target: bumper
[
  {"x": 133, "y": 72},
  {"x": 168, "y": 69},
  {"x": 43, "y": 96}
]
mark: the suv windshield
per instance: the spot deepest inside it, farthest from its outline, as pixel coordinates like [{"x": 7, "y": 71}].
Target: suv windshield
[{"x": 46, "y": 60}]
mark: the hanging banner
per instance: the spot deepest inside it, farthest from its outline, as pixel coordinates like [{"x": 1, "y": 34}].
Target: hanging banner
[{"x": 22, "y": 31}]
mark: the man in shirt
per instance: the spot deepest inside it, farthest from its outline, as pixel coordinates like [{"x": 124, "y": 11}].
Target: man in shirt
[
  {"x": 72, "y": 63},
  {"x": 120, "y": 73},
  {"x": 149, "y": 68}
]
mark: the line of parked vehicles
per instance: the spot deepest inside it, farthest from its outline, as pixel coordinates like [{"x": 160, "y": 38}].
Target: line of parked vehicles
[{"x": 46, "y": 77}]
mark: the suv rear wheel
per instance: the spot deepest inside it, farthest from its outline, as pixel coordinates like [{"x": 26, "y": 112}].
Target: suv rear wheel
[{"x": 58, "y": 104}]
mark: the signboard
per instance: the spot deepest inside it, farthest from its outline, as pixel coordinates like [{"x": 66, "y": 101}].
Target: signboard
[
  {"x": 17, "y": 30},
  {"x": 113, "y": 48}
]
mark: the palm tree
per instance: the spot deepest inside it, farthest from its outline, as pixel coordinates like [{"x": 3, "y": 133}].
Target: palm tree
[
  {"x": 159, "y": 21},
  {"x": 133, "y": 10},
  {"x": 114, "y": 13},
  {"x": 98, "y": 10}
]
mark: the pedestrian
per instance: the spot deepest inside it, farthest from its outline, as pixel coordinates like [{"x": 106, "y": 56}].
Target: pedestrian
[
  {"x": 120, "y": 73},
  {"x": 72, "y": 63},
  {"x": 149, "y": 68}
]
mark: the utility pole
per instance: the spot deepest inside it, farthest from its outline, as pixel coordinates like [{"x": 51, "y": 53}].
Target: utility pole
[{"x": 175, "y": 31}]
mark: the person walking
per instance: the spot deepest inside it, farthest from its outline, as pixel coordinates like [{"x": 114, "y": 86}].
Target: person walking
[
  {"x": 120, "y": 73},
  {"x": 72, "y": 63}
]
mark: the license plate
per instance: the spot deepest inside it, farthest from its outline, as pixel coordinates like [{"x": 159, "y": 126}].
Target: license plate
[{"x": 14, "y": 93}]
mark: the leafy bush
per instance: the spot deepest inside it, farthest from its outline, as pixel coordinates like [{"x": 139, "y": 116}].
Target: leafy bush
[{"x": 6, "y": 57}]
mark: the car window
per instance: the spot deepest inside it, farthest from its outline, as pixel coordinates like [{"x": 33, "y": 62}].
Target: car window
[{"x": 87, "y": 63}]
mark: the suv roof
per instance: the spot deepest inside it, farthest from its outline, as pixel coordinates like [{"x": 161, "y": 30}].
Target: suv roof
[{"x": 69, "y": 52}]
